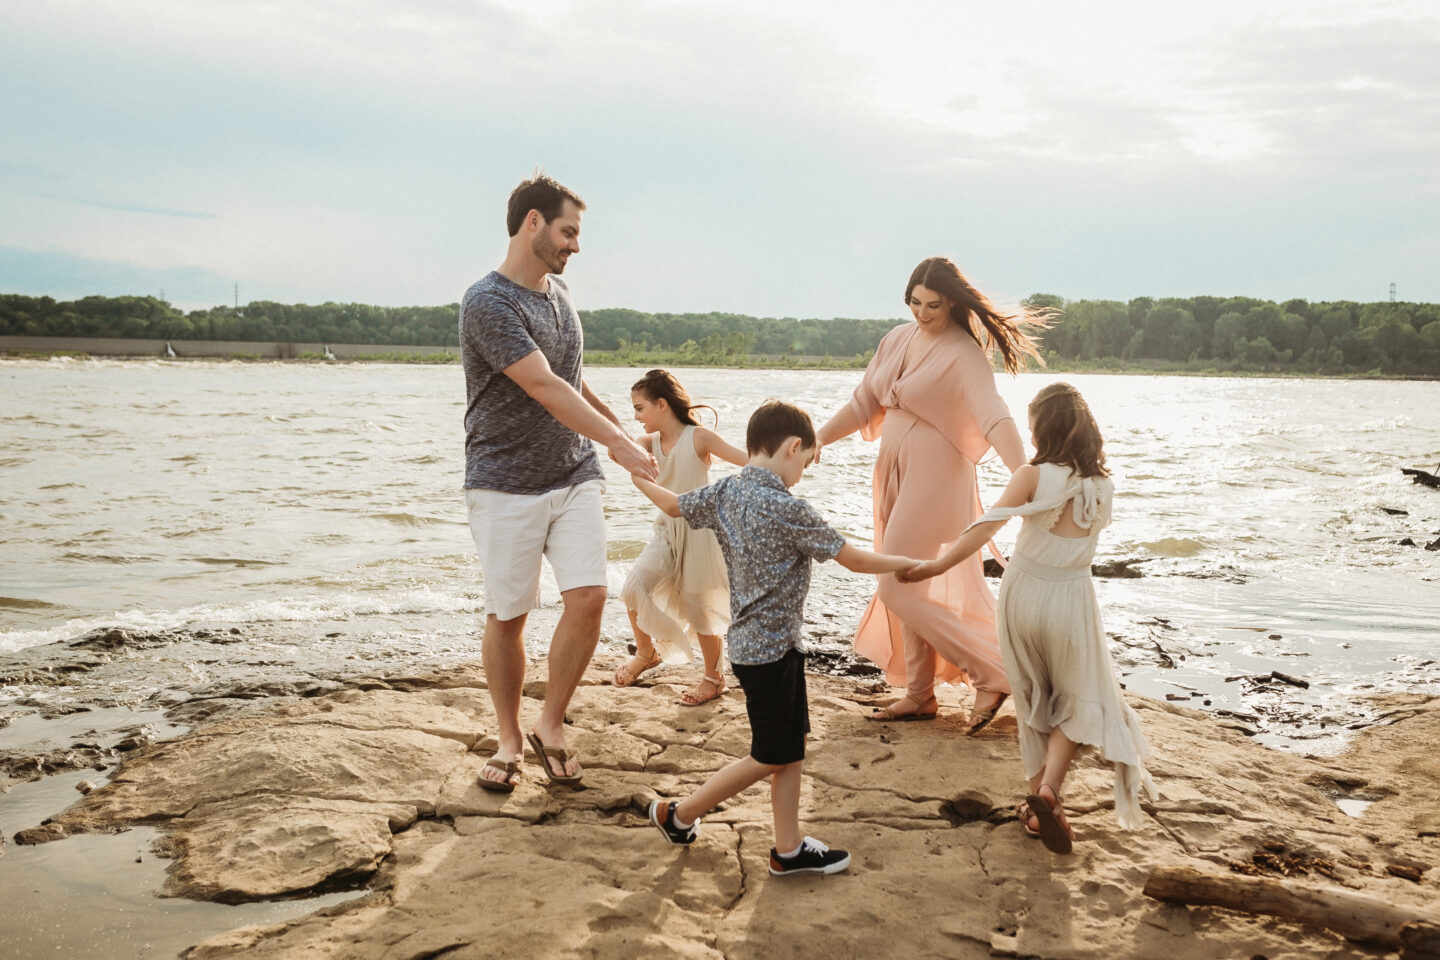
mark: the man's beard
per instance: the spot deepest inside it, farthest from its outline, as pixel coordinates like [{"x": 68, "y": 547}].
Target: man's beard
[{"x": 548, "y": 253}]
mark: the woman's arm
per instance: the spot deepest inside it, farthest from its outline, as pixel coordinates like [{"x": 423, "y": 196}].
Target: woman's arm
[
  {"x": 864, "y": 561},
  {"x": 667, "y": 500},
  {"x": 845, "y": 422},
  {"x": 709, "y": 443},
  {"x": 1005, "y": 438},
  {"x": 1020, "y": 492}
]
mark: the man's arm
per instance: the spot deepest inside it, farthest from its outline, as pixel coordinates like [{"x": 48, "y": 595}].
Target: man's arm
[
  {"x": 667, "y": 500},
  {"x": 864, "y": 561},
  {"x": 532, "y": 374},
  {"x": 599, "y": 404}
]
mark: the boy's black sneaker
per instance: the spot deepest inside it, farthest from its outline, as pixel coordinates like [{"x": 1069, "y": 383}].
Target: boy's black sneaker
[
  {"x": 814, "y": 857},
  {"x": 662, "y": 814}
]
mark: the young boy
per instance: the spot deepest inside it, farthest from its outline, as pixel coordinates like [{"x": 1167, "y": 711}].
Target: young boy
[{"x": 769, "y": 538}]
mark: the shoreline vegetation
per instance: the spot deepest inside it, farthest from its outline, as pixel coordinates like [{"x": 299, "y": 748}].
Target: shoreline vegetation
[{"x": 1202, "y": 335}]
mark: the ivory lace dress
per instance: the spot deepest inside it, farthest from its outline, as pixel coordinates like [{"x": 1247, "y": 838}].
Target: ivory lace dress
[
  {"x": 1053, "y": 643},
  {"x": 678, "y": 586}
]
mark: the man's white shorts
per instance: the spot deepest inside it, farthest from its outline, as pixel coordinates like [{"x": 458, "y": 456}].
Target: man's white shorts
[{"x": 513, "y": 530}]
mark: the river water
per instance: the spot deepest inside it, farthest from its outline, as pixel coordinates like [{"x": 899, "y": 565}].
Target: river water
[{"x": 320, "y": 506}]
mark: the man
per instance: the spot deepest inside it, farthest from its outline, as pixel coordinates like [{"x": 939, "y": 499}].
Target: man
[{"x": 532, "y": 479}]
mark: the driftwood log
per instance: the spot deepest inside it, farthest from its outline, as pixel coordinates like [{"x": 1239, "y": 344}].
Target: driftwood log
[{"x": 1353, "y": 915}]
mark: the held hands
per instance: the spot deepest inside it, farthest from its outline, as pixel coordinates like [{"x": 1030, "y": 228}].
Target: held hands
[
  {"x": 634, "y": 458},
  {"x": 922, "y": 570}
]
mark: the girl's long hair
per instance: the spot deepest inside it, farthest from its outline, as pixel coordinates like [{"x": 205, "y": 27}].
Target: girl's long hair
[
  {"x": 1066, "y": 432},
  {"x": 977, "y": 316},
  {"x": 662, "y": 385}
]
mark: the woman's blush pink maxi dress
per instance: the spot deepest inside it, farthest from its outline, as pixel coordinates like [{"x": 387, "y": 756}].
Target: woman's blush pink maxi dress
[{"x": 932, "y": 420}]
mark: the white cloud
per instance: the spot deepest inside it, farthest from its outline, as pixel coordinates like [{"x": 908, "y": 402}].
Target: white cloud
[{"x": 359, "y": 150}]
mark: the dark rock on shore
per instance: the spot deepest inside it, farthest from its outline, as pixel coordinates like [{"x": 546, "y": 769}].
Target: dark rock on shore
[{"x": 1109, "y": 569}]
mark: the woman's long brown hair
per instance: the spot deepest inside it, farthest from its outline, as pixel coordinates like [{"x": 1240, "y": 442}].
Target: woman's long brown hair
[
  {"x": 1066, "y": 432},
  {"x": 662, "y": 385},
  {"x": 977, "y": 316}
]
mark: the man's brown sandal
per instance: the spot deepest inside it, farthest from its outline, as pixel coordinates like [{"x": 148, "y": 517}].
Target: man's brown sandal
[
  {"x": 544, "y": 755},
  {"x": 693, "y": 697},
  {"x": 508, "y": 767}
]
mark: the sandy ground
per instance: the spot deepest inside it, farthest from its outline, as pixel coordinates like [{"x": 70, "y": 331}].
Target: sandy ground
[{"x": 364, "y": 793}]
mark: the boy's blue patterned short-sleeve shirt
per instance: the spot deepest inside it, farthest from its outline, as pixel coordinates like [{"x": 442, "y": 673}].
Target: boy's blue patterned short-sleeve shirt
[{"x": 768, "y": 537}]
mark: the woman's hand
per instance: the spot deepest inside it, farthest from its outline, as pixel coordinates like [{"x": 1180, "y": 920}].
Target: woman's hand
[{"x": 921, "y": 571}]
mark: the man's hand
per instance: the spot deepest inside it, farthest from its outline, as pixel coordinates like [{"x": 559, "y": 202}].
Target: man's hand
[{"x": 634, "y": 458}]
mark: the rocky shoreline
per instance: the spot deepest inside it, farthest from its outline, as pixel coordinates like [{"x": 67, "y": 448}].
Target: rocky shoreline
[{"x": 291, "y": 788}]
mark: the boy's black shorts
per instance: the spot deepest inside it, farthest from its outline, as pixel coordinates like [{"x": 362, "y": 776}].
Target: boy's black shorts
[{"x": 776, "y": 703}]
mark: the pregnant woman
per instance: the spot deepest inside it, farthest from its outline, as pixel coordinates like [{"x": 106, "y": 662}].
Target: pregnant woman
[{"x": 929, "y": 395}]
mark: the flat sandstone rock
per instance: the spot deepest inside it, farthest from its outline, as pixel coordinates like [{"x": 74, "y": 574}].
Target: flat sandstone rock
[{"x": 379, "y": 785}]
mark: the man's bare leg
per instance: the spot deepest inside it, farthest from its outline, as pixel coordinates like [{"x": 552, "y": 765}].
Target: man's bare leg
[
  {"x": 502, "y": 652},
  {"x": 570, "y": 651}
]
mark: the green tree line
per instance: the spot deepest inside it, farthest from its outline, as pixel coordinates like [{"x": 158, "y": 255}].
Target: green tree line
[
  {"x": 1174, "y": 333},
  {"x": 1243, "y": 333}
]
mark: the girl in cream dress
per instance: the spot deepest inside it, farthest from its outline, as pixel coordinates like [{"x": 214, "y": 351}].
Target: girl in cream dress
[
  {"x": 1048, "y": 621},
  {"x": 678, "y": 590}
]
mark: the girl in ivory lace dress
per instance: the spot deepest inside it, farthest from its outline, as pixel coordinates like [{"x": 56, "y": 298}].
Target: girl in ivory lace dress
[
  {"x": 1048, "y": 620},
  {"x": 678, "y": 588}
]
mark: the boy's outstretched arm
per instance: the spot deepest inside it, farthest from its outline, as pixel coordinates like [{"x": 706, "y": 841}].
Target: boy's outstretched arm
[
  {"x": 667, "y": 500},
  {"x": 864, "y": 561}
]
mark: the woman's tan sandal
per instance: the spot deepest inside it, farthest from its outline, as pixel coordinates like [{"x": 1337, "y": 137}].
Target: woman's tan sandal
[
  {"x": 888, "y": 714},
  {"x": 508, "y": 767},
  {"x": 693, "y": 697},
  {"x": 1055, "y": 830},
  {"x": 980, "y": 719},
  {"x": 544, "y": 754},
  {"x": 628, "y": 672}
]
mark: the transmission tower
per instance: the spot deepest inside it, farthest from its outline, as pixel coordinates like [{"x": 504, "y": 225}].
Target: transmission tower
[{"x": 1392, "y": 291}]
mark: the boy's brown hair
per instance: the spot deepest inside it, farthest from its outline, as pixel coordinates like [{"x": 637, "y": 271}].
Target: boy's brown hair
[
  {"x": 774, "y": 422},
  {"x": 1066, "y": 432}
]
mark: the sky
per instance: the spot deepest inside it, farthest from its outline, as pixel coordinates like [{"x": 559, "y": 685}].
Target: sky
[{"x": 777, "y": 159}]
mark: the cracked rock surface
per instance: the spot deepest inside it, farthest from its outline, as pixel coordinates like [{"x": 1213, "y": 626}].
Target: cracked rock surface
[{"x": 288, "y": 794}]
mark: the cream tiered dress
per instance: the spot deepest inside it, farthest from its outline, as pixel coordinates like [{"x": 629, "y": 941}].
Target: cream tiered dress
[
  {"x": 678, "y": 587},
  {"x": 1053, "y": 644}
]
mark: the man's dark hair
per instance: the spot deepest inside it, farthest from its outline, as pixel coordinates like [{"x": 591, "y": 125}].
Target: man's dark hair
[
  {"x": 538, "y": 193},
  {"x": 774, "y": 422}
]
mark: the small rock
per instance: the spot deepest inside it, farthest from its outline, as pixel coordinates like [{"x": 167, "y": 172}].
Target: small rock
[
  {"x": 84, "y": 786},
  {"x": 1275, "y": 636},
  {"x": 1404, "y": 872},
  {"x": 1002, "y": 945},
  {"x": 1396, "y": 512},
  {"x": 44, "y": 833},
  {"x": 1405, "y": 542},
  {"x": 1433, "y": 544}
]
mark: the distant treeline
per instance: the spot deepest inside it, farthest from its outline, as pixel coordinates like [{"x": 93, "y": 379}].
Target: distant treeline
[{"x": 1175, "y": 333}]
